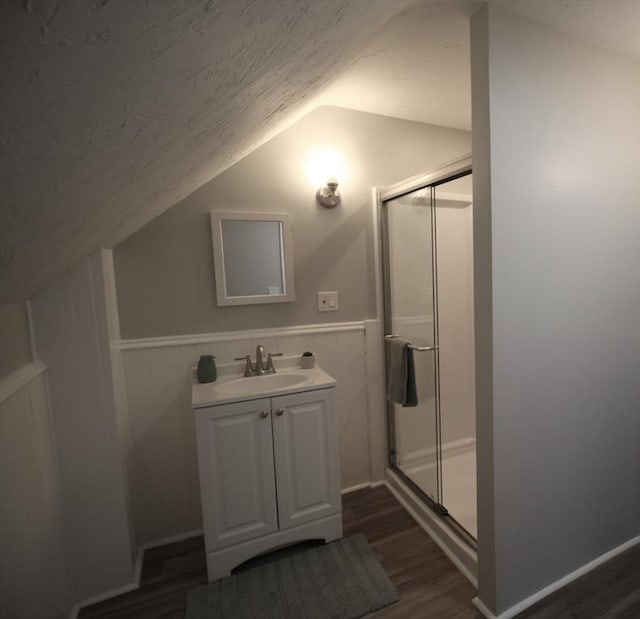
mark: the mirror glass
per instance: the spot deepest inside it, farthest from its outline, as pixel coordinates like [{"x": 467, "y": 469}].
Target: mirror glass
[{"x": 252, "y": 258}]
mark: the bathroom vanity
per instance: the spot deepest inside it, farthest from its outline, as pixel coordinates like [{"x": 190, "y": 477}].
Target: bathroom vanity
[{"x": 268, "y": 463}]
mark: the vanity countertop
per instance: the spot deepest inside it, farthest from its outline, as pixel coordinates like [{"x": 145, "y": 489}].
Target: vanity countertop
[{"x": 237, "y": 388}]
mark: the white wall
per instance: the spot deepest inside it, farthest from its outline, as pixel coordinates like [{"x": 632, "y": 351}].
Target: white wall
[
  {"x": 556, "y": 186},
  {"x": 71, "y": 338},
  {"x": 35, "y": 581}
]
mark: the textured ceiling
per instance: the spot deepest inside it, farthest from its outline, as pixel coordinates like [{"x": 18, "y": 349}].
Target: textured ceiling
[
  {"x": 610, "y": 24},
  {"x": 111, "y": 111},
  {"x": 417, "y": 67}
]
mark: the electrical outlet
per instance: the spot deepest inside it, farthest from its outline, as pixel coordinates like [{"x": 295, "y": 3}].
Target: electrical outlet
[{"x": 328, "y": 301}]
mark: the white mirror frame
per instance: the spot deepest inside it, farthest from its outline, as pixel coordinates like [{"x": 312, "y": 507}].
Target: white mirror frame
[{"x": 217, "y": 217}]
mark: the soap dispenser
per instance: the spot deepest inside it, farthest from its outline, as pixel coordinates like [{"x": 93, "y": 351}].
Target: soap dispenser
[{"x": 207, "y": 372}]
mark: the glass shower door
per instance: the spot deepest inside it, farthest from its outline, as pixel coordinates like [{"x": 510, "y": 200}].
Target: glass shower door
[
  {"x": 411, "y": 314},
  {"x": 456, "y": 355}
]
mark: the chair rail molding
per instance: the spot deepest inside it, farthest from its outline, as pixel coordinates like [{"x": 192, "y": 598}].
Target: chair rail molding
[
  {"x": 15, "y": 381},
  {"x": 227, "y": 336}
]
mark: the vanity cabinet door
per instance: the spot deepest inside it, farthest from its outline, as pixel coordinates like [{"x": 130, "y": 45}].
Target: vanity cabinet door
[
  {"x": 306, "y": 456},
  {"x": 235, "y": 453}
]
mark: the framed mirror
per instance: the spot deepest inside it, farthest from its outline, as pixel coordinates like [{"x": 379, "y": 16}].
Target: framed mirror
[{"x": 252, "y": 257}]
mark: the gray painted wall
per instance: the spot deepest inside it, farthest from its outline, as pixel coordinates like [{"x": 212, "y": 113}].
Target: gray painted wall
[
  {"x": 164, "y": 273},
  {"x": 15, "y": 343},
  {"x": 563, "y": 344}
]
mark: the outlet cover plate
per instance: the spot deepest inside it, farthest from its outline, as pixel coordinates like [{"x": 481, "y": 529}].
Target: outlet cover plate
[{"x": 328, "y": 301}]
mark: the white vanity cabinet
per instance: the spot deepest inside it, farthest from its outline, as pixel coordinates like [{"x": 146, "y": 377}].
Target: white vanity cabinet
[{"x": 268, "y": 475}]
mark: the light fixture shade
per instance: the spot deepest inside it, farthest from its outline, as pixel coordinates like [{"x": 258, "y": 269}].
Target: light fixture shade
[{"x": 329, "y": 196}]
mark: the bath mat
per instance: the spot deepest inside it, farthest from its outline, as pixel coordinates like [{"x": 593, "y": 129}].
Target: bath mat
[{"x": 341, "y": 580}]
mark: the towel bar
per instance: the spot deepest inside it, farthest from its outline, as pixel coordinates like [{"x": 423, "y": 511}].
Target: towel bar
[{"x": 412, "y": 346}]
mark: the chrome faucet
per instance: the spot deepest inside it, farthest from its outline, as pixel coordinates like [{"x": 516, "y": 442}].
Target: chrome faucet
[
  {"x": 258, "y": 368},
  {"x": 259, "y": 371},
  {"x": 248, "y": 368}
]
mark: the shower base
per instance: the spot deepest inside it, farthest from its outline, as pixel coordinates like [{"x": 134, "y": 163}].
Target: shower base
[
  {"x": 463, "y": 556},
  {"x": 458, "y": 482}
]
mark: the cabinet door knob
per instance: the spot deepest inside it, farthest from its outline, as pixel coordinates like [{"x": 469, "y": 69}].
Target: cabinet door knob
[
  {"x": 264, "y": 414},
  {"x": 280, "y": 412}
]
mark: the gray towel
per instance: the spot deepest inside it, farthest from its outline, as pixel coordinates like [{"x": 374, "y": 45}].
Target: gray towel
[{"x": 402, "y": 377}]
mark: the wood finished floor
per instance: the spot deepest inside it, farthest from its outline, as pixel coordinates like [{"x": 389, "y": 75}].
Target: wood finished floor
[{"x": 429, "y": 585}]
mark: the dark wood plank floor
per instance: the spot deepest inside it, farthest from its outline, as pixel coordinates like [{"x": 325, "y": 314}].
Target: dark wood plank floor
[
  {"x": 428, "y": 583},
  {"x": 612, "y": 591}
]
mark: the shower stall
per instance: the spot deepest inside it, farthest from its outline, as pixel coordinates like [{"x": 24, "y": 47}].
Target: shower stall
[{"x": 427, "y": 276}]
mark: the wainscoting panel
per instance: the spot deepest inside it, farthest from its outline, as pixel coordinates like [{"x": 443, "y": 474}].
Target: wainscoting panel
[
  {"x": 34, "y": 576},
  {"x": 112, "y": 321},
  {"x": 376, "y": 400},
  {"x": 162, "y": 459},
  {"x": 163, "y": 466},
  {"x": 71, "y": 338}
]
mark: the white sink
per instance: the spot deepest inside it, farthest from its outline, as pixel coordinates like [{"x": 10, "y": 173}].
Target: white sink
[
  {"x": 236, "y": 388},
  {"x": 257, "y": 385}
]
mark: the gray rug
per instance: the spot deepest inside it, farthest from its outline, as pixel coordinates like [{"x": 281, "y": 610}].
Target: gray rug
[{"x": 341, "y": 580}]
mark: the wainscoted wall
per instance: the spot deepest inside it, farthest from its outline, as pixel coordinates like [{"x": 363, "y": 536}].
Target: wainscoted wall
[
  {"x": 162, "y": 460},
  {"x": 34, "y": 575},
  {"x": 70, "y": 328},
  {"x": 118, "y": 382}
]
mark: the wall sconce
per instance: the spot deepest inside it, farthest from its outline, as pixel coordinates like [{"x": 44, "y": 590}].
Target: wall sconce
[
  {"x": 324, "y": 167},
  {"x": 329, "y": 196}
]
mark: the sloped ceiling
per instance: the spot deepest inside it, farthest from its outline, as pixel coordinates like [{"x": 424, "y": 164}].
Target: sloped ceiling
[
  {"x": 111, "y": 111},
  {"x": 610, "y": 24},
  {"x": 417, "y": 67}
]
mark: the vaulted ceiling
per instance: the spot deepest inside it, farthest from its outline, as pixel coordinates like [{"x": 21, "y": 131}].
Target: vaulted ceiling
[{"x": 111, "y": 111}]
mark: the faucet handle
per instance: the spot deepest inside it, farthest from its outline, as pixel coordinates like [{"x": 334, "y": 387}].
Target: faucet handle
[
  {"x": 270, "y": 369},
  {"x": 249, "y": 369}
]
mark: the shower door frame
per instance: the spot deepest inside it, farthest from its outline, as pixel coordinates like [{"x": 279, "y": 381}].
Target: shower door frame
[{"x": 449, "y": 172}]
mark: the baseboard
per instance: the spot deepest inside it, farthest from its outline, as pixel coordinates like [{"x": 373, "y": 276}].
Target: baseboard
[
  {"x": 170, "y": 540},
  {"x": 482, "y": 608},
  {"x": 137, "y": 571},
  {"x": 558, "y": 584},
  {"x": 96, "y": 599},
  {"x": 350, "y": 489},
  {"x": 363, "y": 486}
]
